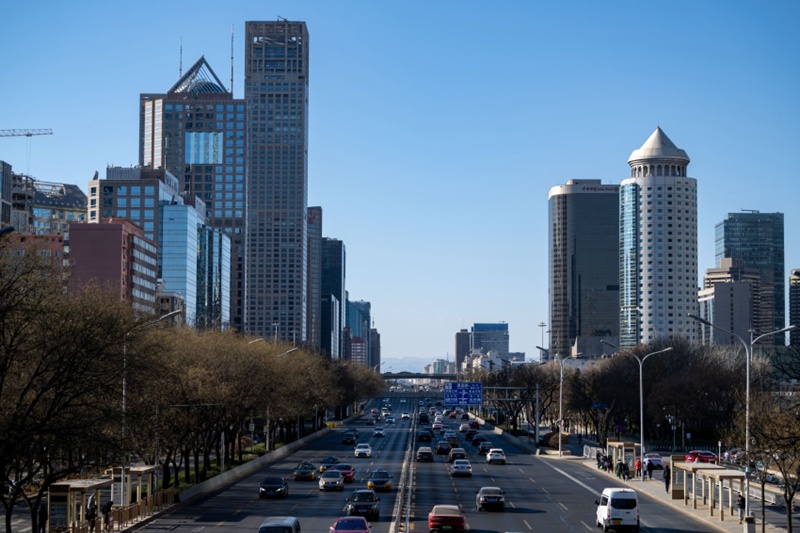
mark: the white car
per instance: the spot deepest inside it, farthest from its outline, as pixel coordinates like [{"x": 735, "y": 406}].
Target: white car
[
  {"x": 461, "y": 467},
  {"x": 378, "y": 432},
  {"x": 495, "y": 455},
  {"x": 655, "y": 459},
  {"x": 331, "y": 480},
  {"x": 362, "y": 450},
  {"x": 617, "y": 508},
  {"x": 405, "y": 416}
]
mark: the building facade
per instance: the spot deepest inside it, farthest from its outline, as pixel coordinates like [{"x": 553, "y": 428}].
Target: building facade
[
  {"x": 276, "y": 93},
  {"x": 116, "y": 254},
  {"x": 658, "y": 245},
  {"x": 755, "y": 240},
  {"x": 334, "y": 293},
  {"x": 462, "y": 348},
  {"x": 486, "y": 337},
  {"x": 197, "y": 131},
  {"x": 314, "y": 312},
  {"x": 583, "y": 267},
  {"x": 6, "y": 181},
  {"x": 794, "y": 307}
]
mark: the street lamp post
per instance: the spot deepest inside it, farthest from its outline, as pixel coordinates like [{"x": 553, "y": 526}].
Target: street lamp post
[
  {"x": 560, "y": 400},
  {"x": 125, "y": 390},
  {"x": 748, "y": 350},
  {"x": 641, "y": 392}
]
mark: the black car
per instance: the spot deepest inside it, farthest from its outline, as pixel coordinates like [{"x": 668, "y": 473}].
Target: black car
[
  {"x": 477, "y": 439},
  {"x": 470, "y": 434},
  {"x": 424, "y": 436},
  {"x": 484, "y": 447},
  {"x": 364, "y": 503},
  {"x": 348, "y": 438},
  {"x": 273, "y": 487}
]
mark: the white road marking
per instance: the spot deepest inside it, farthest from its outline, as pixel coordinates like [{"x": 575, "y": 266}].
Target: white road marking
[
  {"x": 571, "y": 478},
  {"x": 527, "y": 524}
]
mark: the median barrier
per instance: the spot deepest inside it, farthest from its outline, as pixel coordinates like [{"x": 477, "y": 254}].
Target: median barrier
[{"x": 210, "y": 485}]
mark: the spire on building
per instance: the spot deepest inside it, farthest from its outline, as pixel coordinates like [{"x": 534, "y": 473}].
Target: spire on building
[
  {"x": 658, "y": 146},
  {"x": 199, "y": 79}
]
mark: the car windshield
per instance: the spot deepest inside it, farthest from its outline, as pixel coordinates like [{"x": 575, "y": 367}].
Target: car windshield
[
  {"x": 350, "y": 525},
  {"x": 272, "y": 481},
  {"x": 623, "y": 503},
  {"x": 331, "y": 474},
  {"x": 304, "y": 466},
  {"x": 491, "y": 492},
  {"x": 363, "y": 497},
  {"x": 380, "y": 475}
]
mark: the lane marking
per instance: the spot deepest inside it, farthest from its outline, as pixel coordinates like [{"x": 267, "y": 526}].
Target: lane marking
[
  {"x": 571, "y": 478},
  {"x": 527, "y": 524}
]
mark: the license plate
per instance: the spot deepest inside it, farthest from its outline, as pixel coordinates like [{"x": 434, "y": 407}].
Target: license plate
[
  {"x": 616, "y": 521},
  {"x": 447, "y": 527},
  {"x": 492, "y": 500}
]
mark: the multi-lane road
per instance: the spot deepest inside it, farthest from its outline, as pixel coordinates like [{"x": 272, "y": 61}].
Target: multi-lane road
[{"x": 541, "y": 494}]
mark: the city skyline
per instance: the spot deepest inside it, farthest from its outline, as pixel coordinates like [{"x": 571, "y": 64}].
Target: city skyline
[{"x": 433, "y": 158}]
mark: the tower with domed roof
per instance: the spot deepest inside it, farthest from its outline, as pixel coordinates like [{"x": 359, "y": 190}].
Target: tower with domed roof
[{"x": 658, "y": 244}]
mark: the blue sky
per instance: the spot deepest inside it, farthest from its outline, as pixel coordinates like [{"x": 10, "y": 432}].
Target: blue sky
[{"x": 438, "y": 128}]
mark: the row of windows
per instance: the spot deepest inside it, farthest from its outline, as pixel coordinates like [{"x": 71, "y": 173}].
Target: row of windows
[{"x": 207, "y": 107}]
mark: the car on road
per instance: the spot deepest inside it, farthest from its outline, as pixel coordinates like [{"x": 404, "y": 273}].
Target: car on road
[
  {"x": 469, "y": 434},
  {"x": 390, "y": 419},
  {"x": 424, "y": 453},
  {"x": 463, "y": 428},
  {"x": 424, "y": 436},
  {"x": 452, "y": 438},
  {"x": 273, "y": 487},
  {"x": 349, "y": 438},
  {"x": 331, "y": 480},
  {"x": 461, "y": 467},
  {"x": 364, "y": 502},
  {"x": 655, "y": 459},
  {"x": 484, "y": 447},
  {"x": 284, "y": 524},
  {"x": 456, "y": 453},
  {"x": 477, "y": 439},
  {"x": 490, "y": 498},
  {"x": 378, "y": 432},
  {"x": 305, "y": 470},
  {"x": 617, "y": 509},
  {"x": 405, "y": 416},
  {"x": 496, "y": 456},
  {"x": 379, "y": 480},
  {"x": 362, "y": 450},
  {"x": 327, "y": 462},
  {"x": 351, "y": 524},
  {"x": 446, "y": 518},
  {"x": 443, "y": 447},
  {"x": 347, "y": 470},
  {"x": 700, "y": 456},
  {"x": 474, "y": 424},
  {"x": 436, "y": 426}
]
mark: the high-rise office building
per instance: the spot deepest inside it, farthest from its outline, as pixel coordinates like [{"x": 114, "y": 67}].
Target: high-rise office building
[
  {"x": 334, "y": 293},
  {"x": 359, "y": 320},
  {"x": 584, "y": 267},
  {"x": 6, "y": 180},
  {"x": 462, "y": 348},
  {"x": 314, "y": 312},
  {"x": 196, "y": 132},
  {"x": 728, "y": 300},
  {"x": 794, "y": 307},
  {"x": 486, "y": 337},
  {"x": 276, "y": 91},
  {"x": 755, "y": 240},
  {"x": 657, "y": 245}
]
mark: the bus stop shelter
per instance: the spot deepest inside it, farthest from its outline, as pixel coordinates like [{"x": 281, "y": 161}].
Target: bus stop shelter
[
  {"x": 68, "y": 501},
  {"x": 623, "y": 451}
]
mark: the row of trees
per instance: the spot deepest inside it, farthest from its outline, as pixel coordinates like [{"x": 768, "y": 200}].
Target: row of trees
[
  {"x": 86, "y": 383},
  {"x": 699, "y": 389}
]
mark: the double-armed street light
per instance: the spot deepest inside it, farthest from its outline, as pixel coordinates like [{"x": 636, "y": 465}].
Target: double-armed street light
[
  {"x": 641, "y": 361},
  {"x": 748, "y": 350},
  {"x": 560, "y": 361}
]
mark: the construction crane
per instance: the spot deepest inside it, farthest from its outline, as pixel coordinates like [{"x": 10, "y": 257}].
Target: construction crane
[{"x": 24, "y": 133}]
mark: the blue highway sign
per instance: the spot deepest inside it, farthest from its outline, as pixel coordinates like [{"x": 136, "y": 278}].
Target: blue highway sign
[{"x": 463, "y": 393}]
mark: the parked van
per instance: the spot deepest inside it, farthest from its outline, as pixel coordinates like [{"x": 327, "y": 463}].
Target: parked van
[
  {"x": 618, "y": 509},
  {"x": 280, "y": 524}
]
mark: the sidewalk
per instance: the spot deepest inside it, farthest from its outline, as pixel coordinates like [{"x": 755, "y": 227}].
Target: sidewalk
[{"x": 655, "y": 489}]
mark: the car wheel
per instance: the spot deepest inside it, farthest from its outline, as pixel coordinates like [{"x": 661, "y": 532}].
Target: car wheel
[{"x": 605, "y": 527}]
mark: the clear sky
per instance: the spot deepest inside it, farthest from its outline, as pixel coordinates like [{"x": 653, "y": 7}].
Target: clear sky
[{"x": 437, "y": 128}]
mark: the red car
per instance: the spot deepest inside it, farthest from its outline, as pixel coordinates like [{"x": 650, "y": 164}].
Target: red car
[
  {"x": 351, "y": 524},
  {"x": 700, "y": 456},
  {"x": 445, "y": 518},
  {"x": 347, "y": 470}
]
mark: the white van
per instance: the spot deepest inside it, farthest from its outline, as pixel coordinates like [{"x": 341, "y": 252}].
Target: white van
[{"x": 618, "y": 509}]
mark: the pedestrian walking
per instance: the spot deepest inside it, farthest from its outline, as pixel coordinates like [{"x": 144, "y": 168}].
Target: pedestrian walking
[
  {"x": 91, "y": 515},
  {"x": 599, "y": 457},
  {"x": 638, "y": 467},
  {"x": 108, "y": 522},
  {"x": 650, "y": 468},
  {"x": 667, "y": 478},
  {"x": 740, "y": 504}
]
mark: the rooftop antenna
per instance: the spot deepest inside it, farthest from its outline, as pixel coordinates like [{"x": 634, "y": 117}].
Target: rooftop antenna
[
  {"x": 231, "y": 58},
  {"x": 180, "y": 60},
  {"x": 751, "y": 210}
]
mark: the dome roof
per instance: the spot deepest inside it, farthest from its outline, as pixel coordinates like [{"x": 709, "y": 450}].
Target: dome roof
[{"x": 658, "y": 146}]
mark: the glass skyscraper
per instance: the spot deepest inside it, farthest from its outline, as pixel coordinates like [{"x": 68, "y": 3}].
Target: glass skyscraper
[
  {"x": 584, "y": 267},
  {"x": 276, "y": 93},
  {"x": 657, "y": 245},
  {"x": 196, "y": 131},
  {"x": 755, "y": 240}
]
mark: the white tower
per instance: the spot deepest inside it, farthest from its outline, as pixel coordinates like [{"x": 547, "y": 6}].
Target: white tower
[{"x": 658, "y": 245}]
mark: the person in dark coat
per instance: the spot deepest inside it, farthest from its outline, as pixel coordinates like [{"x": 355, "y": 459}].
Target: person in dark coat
[
  {"x": 667, "y": 477},
  {"x": 650, "y": 468},
  {"x": 42, "y": 519}
]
